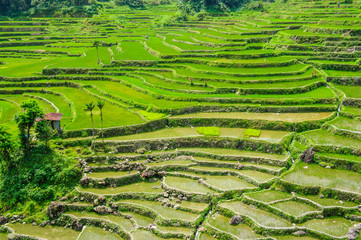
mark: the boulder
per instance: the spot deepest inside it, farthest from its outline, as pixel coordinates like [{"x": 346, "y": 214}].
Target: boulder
[
  {"x": 55, "y": 209},
  {"x": 77, "y": 225},
  {"x": 84, "y": 181},
  {"x": 3, "y": 220},
  {"x": 102, "y": 199},
  {"x": 236, "y": 220},
  {"x": 352, "y": 234},
  {"x": 308, "y": 155},
  {"x": 103, "y": 209},
  {"x": 299, "y": 233},
  {"x": 148, "y": 173},
  {"x": 43, "y": 224}
]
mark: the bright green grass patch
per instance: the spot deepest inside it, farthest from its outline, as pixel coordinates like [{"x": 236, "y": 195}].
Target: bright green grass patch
[
  {"x": 294, "y": 208},
  {"x": 335, "y": 226},
  {"x": 151, "y": 115},
  {"x": 269, "y": 195},
  {"x": 93, "y": 233},
  {"x": 350, "y": 91},
  {"x": 47, "y": 232},
  {"x": 314, "y": 175},
  {"x": 180, "y": 230},
  {"x": 262, "y": 217},
  {"x": 222, "y": 223},
  {"x": 208, "y": 131},
  {"x": 252, "y": 132}
]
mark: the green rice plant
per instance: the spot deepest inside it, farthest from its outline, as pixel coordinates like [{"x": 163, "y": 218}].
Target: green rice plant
[
  {"x": 248, "y": 133},
  {"x": 208, "y": 131}
]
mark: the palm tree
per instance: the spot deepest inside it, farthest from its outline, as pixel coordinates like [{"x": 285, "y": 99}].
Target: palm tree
[
  {"x": 89, "y": 108},
  {"x": 100, "y": 105},
  {"x": 96, "y": 44}
]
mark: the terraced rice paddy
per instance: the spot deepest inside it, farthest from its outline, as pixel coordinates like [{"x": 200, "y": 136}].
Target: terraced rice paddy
[{"x": 291, "y": 74}]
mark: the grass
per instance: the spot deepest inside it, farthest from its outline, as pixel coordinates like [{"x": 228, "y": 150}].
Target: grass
[
  {"x": 262, "y": 217},
  {"x": 187, "y": 185},
  {"x": 142, "y": 187},
  {"x": 314, "y": 175},
  {"x": 93, "y": 233},
  {"x": 294, "y": 208},
  {"x": 252, "y": 132},
  {"x": 208, "y": 131},
  {"x": 167, "y": 213},
  {"x": 335, "y": 226},
  {"x": 322, "y": 137},
  {"x": 285, "y": 117},
  {"x": 222, "y": 223},
  {"x": 347, "y": 124},
  {"x": 227, "y": 183},
  {"x": 47, "y": 232},
  {"x": 109, "y": 174},
  {"x": 269, "y": 195}
]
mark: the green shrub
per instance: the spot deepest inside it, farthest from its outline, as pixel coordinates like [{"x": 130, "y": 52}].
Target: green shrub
[
  {"x": 252, "y": 132},
  {"x": 208, "y": 131}
]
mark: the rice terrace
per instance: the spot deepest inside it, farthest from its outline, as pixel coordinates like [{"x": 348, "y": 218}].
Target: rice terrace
[{"x": 180, "y": 119}]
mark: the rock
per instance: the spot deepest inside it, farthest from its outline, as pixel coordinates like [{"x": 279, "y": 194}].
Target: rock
[
  {"x": 3, "y": 220},
  {"x": 102, "y": 199},
  {"x": 77, "y": 225},
  {"x": 320, "y": 216},
  {"x": 148, "y": 173},
  {"x": 34, "y": 224},
  {"x": 63, "y": 199},
  {"x": 176, "y": 206},
  {"x": 96, "y": 202},
  {"x": 165, "y": 194},
  {"x": 84, "y": 181},
  {"x": 322, "y": 196},
  {"x": 43, "y": 224},
  {"x": 308, "y": 155},
  {"x": 102, "y": 209},
  {"x": 352, "y": 234},
  {"x": 162, "y": 173},
  {"x": 102, "y": 183},
  {"x": 55, "y": 209},
  {"x": 299, "y": 233},
  {"x": 236, "y": 220},
  {"x": 139, "y": 167},
  {"x": 180, "y": 197},
  {"x": 141, "y": 150}
]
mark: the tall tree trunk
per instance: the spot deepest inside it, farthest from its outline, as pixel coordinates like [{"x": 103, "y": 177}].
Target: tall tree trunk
[
  {"x": 93, "y": 142},
  {"x": 101, "y": 119}
]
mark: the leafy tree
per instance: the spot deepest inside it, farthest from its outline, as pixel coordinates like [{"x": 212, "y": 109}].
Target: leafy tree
[
  {"x": 89, "y": 108},
  {"x": 100, "y": 105},
  {"x": 26, "y": 121},
  {"x": 44, "y": 132},
  {"x": 96, "y": 44},
  {"x": 6, "y": 145}
]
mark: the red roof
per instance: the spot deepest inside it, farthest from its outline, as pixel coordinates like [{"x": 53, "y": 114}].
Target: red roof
[{"x": 51, "y": 117}]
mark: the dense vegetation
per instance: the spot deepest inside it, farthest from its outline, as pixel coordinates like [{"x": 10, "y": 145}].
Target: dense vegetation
[
  {"x": 32, "y": 173},
  {"x": 47, "y": 8},
  {"x": 240, "y": 125}
]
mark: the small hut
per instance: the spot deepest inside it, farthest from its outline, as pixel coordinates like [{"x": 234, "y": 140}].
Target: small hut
[{"x": 54, "y": 120}]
